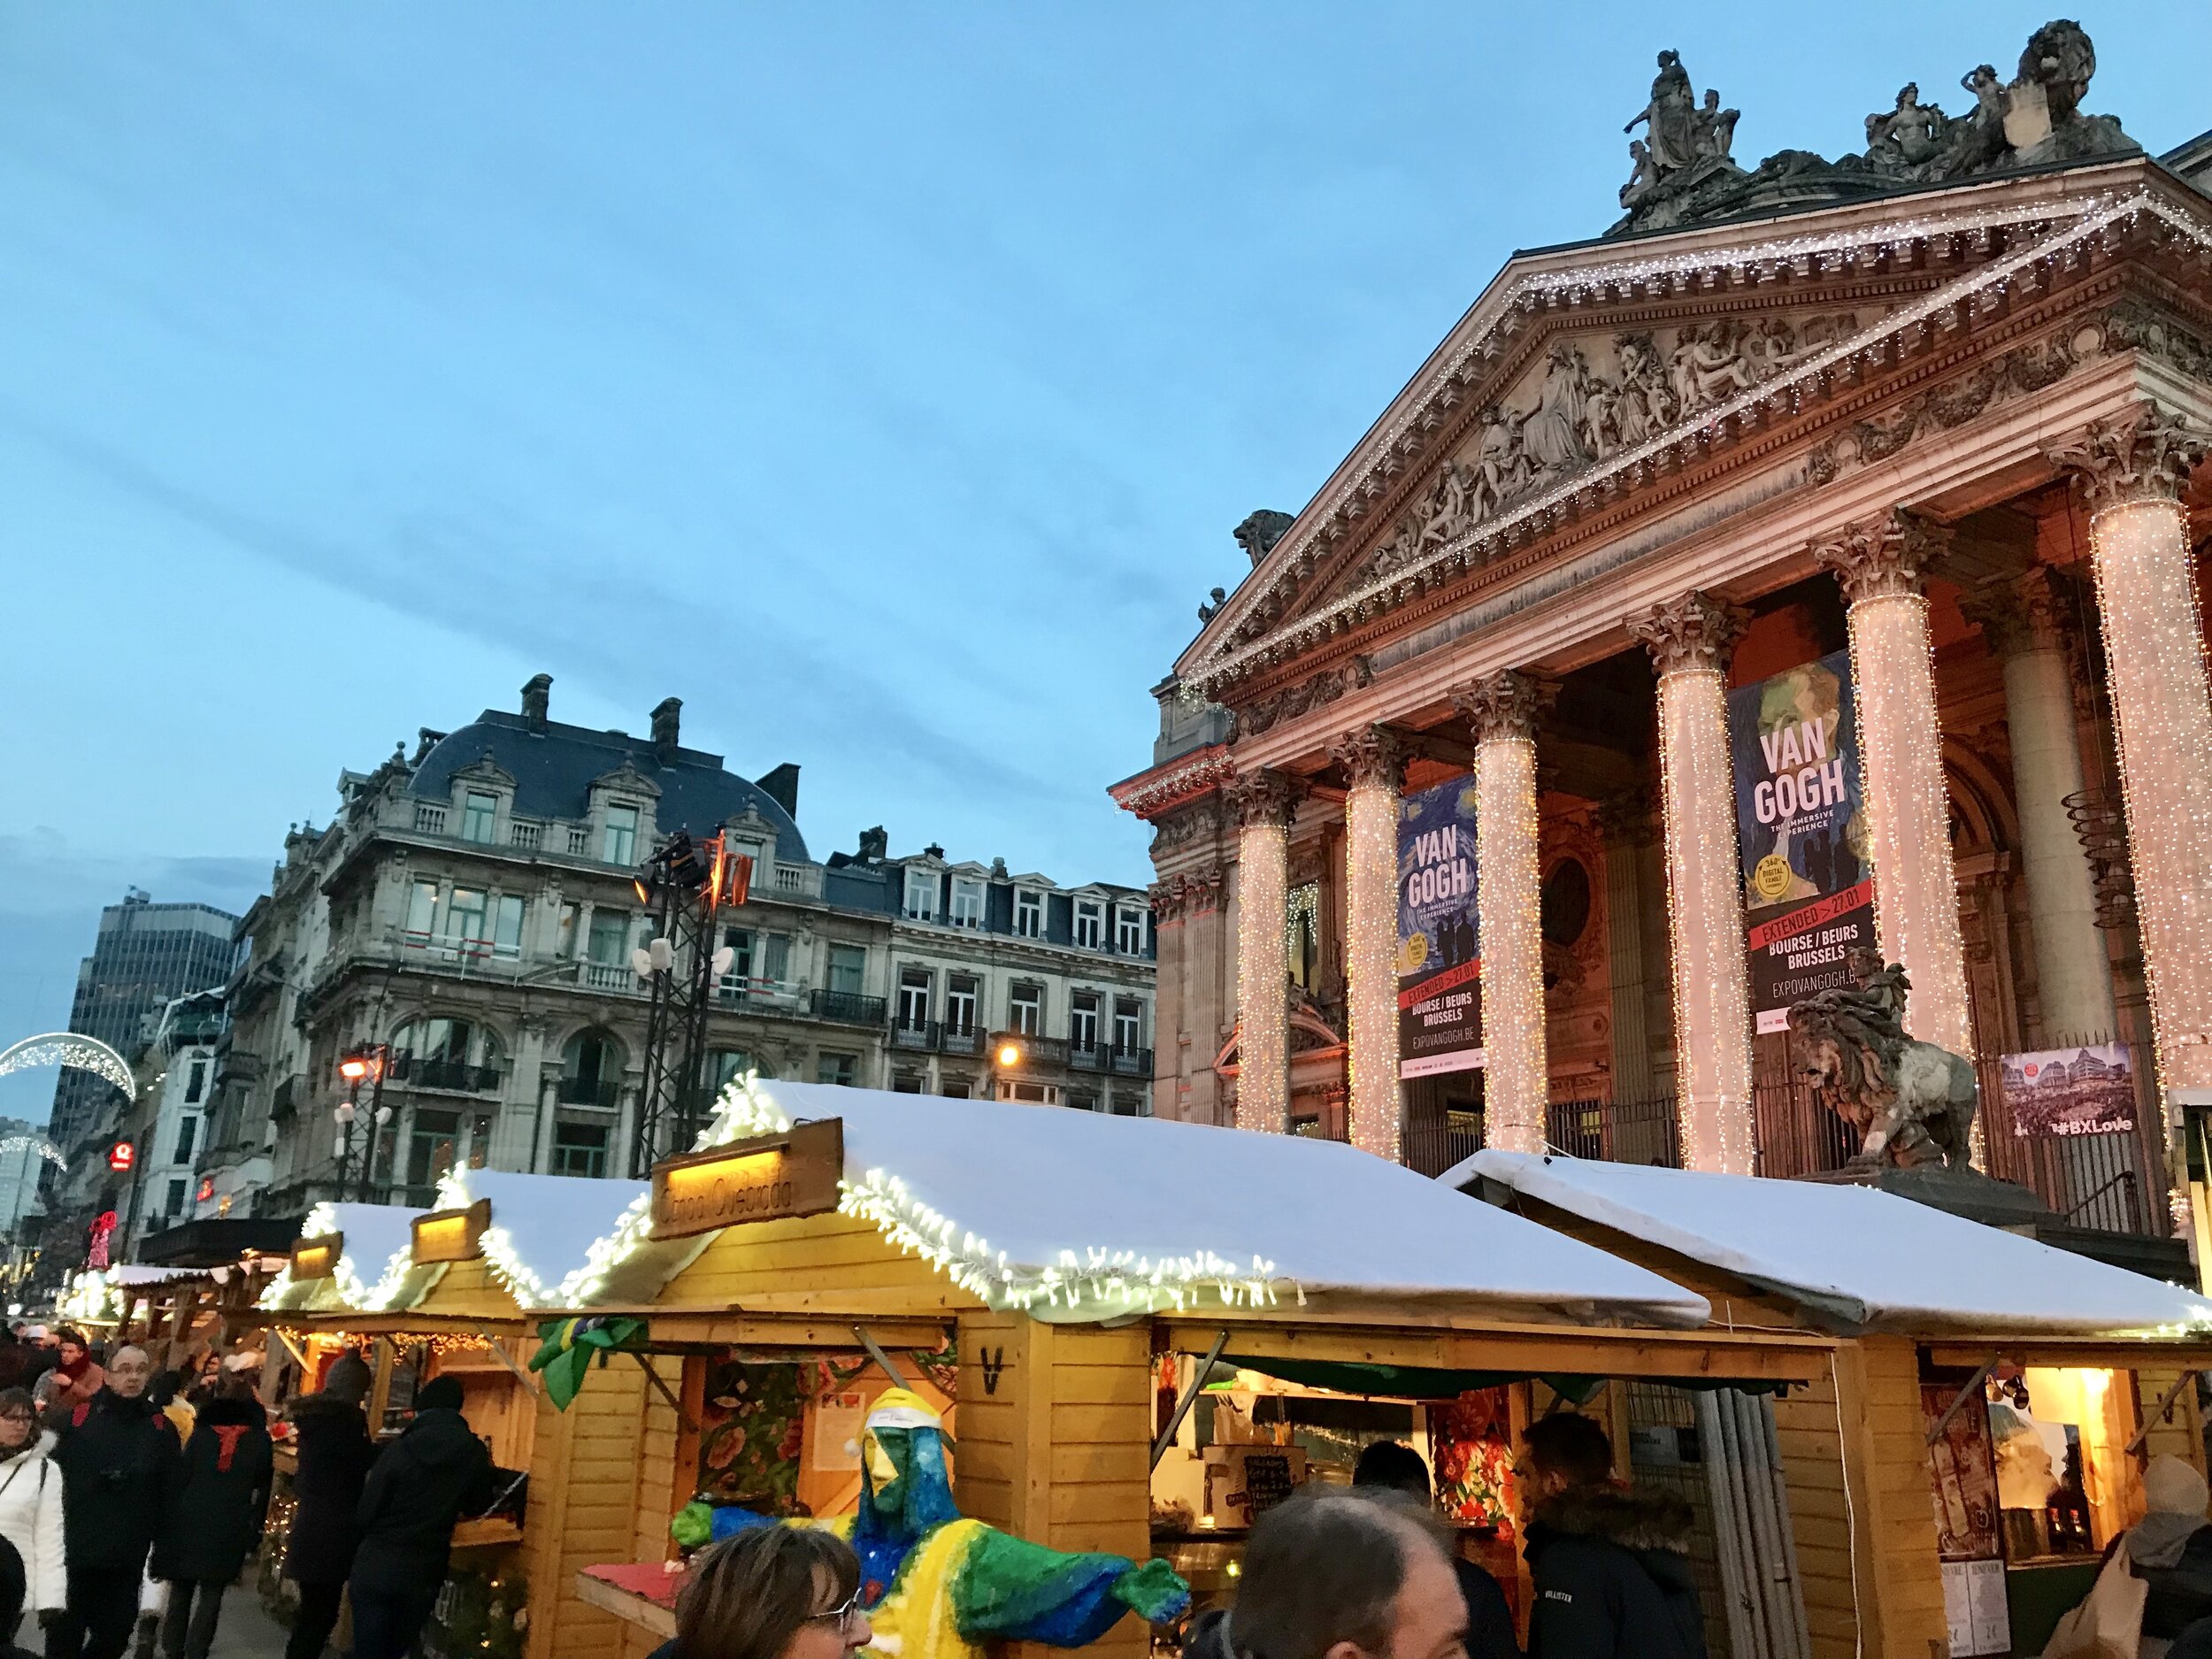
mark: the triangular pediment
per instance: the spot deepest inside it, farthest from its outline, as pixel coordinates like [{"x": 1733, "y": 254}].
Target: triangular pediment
[{"x": 1588, "y": 383}]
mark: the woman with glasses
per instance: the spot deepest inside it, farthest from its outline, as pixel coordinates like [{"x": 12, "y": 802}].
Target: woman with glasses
[
  {"x": 30, "y": 1504},
  {"x": 773, "y": 1593}
]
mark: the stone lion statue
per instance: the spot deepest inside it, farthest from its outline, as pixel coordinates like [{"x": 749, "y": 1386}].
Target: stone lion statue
[
  {"x": 1911, "y": 1103},
  {"x": 1261, "y": 530}
]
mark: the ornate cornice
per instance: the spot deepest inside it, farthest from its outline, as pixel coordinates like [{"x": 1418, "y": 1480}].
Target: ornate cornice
[
  {"x": 1371, "y": 754},
  {"x": 1696, "y": 632},
  {"x": 1316, "y": 691},
  {"x": 1263, "y": 797},
  {"x": 1509, "y": 704},
  {"x": 1882, "y": 558},
  {"x": 2146, "y": 454},
  {"x": 2044, "y": 235},
  {"x": 1185, "y": 778}
]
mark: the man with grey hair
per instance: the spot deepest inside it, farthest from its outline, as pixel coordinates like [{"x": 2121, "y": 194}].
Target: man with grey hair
[
  {"x": 1332, "y": 1576},
  {"x": 118, "y": 1457}
]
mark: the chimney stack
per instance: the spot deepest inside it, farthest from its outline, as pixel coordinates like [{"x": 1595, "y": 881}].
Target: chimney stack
[
  {"x": 667, "y": 722},
  {"x": 537, "y": 696},
  {"x": 875, "y": 843}
]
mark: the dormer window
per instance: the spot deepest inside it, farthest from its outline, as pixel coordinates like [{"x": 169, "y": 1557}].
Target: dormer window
[
  {"x": 1029, "y": 913},
  {"x": 620, "y": 845},
  {"x": 1128, "y": 931},
  {"x": 921, "y": 895},
  {"x": 967, "y": 901},
  {"x": 477, "y": 813},
  {"x": 1090, "y": 924}
]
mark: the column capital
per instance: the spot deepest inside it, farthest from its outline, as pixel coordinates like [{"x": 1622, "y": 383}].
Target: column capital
[
  {"x": 2144, "y": 455},
  {"x": 1263, "y": 797},
  {"x": 1695, "y": 632},
  {"x": 1882, "y": 557},
  {"x": 2017, "y": 615},
  {"x": 1187, "y": 893},
  {"x": 1629, "y": 816},
  {"x": 1371, "y": 754},
  {"x": 1508, "y": 704}
]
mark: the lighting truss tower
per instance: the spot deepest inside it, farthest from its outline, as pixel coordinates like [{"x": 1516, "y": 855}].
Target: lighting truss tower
[{"x": 686, "y": 886}]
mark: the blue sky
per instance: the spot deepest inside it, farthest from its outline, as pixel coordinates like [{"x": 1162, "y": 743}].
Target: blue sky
[{"x": 883, "y": 382}]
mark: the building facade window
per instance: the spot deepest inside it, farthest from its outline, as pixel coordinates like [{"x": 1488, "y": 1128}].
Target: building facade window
[
  {"x": 758, "y": 962},
  {"x": 967, "y": 901},
  {"x": 507, "y": 926},
  {"x": 431, "y": 1142},
  {"x": 591, "y": 1069},
  {"x": 726, "y": 1066},
  {"x": 620, "y": 846},
  {"x": 565, "y": 934},
  {"x": 848, "y": 970},
  {"x": 477, "y": 815},
  {"x": 464, "y": 918},
  {"x": 956, "y": 1088},
  {"x": 1025, "y": 1008},
  {"x": 422, "y": 910},
  {"x": 906, "y": 1083},
  {"x": 921, "y": 895},
  {"x": 580, "y": 1149},
  {"x": 1090, "y": 924},
  {"x": 442, "y": 1053},
  {"x": 1029, "y": 913},
  {"x": 175, "y": 1205},
  {"x": 913, "y": 999},
  {"x": 187, "y": 1131},
  {"x": 840, "y": 1068},
  {"x": 1129, "y": 931},
  {"x": 1083, "y": 1020},
  {"x": 196, "y": 1083},
  {"x": 960, "y": 1000},
  {"x": 1128, "y": 1025},
  {"x": 609, "y": 946}
]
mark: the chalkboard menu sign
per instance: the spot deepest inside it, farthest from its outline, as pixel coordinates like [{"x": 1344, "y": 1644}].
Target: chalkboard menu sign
[{"x": 1267, "y": 1482}]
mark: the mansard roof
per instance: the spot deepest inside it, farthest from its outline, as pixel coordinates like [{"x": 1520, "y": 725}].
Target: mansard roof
[
  {"x": 1716, "y": 346},
  {"x": 555, "y": 768}
]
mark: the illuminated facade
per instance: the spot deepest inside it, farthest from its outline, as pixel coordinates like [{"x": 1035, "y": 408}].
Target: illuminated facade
[{"x": 1943, "y": 432}]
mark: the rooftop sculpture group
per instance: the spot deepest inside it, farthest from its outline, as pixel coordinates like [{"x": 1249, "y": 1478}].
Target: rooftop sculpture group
[{"x": 1683, "y": 171}]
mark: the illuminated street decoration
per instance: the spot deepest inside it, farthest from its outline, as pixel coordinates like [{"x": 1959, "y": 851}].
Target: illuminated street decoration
[{"x": 70, "y": 1049}]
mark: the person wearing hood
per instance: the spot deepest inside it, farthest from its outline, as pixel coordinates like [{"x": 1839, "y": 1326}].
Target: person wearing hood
[
  {"x": 118, "y": 1458},
  {"x": 216, "y": 1508},
  {"x": 2171, "y": 1550},
  {"x": 423, "y": 1484},
  {"x": 333, "y": 1451},
  {"x": 30, "y": 1507},
  {"x": 1610, "y": 1564}
]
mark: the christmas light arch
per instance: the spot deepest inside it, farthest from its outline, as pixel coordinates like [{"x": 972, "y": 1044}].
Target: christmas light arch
[{"x": 72, "y": 1048}]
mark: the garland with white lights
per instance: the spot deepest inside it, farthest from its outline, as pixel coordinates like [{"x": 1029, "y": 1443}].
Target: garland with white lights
[
  {"x": 320, "y": 1222},
  {"x": 1120, "y": 1281},
  {"x": 633, "y": 1229}
]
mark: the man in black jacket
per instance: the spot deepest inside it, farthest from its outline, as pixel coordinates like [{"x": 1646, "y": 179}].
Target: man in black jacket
[
  {"x": 434, "y": 1473},
  {"x": 118, "y": 1458},
  {"x": 332, "y": 1452},
  {"x": 1393, "y": 1466},
  {"x": 1610, "y": 1564}
]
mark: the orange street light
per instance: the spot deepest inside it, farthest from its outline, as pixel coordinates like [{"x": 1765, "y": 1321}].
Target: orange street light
[
  {"x": 353, "y": 1068},
  {"x": 1009, "y": 1056}
]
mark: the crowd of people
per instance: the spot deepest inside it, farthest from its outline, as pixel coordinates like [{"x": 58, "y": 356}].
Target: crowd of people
[{"x": 132, "y": 1499}]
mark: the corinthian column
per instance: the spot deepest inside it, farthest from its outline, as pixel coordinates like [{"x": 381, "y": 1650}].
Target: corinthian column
[
  {"x": 2020, "y": 621},
  {"x": 1879, "y": 564},
  {"x": 1373, "y": 759},
  {"x": 2131, "y": 473},
  {"x": 1503, "y": 711},
  {"x": 1264, "y": 804},
  {"x": 1690, "y": 641}
]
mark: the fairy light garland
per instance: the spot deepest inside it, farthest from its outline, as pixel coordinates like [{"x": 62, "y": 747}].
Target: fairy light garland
[
  {"x": 2131, "y": 472},
  {"x": 1077, "y": 1280},
  {"x": 633, "y": 1229},
  {"x": 1690, "y": 642},
  {"x": 320, "y": 1222},
  {"x": 1264, "y": 804},
  {"x": 2077, "y": 225},
  {"x": 1374, "y": 759},
  {"x": 1508, "y": 893}
]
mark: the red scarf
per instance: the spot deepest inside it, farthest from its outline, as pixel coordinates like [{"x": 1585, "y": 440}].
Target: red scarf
[{"x": 230, "y": 1434}]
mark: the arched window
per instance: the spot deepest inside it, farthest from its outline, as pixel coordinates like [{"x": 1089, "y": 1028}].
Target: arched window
[
  {"x": 442, "y": 1053},
  {"x": 591, "y": 1068}
]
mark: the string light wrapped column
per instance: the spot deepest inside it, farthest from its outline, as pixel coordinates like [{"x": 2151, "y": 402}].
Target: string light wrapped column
[
  {"x": 1503, "y": 711},
  {"x": 1690, "y": 641},
  {"x": 2131, "y": 472},
  {"x": 1264, "y": 804},
  {"x": 1879, "y": 562},
  {"x": 1373, "y": 759}
]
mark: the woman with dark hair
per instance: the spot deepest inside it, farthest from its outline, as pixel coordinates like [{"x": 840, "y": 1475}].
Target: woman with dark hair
[
  {"x": 30, "y": 1506},
  {"x": 773, "y": 1593}
]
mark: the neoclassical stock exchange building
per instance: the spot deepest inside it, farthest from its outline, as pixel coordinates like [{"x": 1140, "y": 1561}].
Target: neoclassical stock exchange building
[{"x": 1809, "y": 562}]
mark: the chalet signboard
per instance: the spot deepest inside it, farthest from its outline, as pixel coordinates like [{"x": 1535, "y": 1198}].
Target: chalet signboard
[
  {"x": 318, "y": 1257},
  {"x": 452, "y": 1235},
  {"x": 769, "y": 1177}
]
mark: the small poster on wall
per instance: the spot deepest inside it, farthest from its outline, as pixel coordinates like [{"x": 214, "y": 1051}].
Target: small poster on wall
[
  {"x": 1439, "y": 942},
  {"x": 2083, "y": 1091}
]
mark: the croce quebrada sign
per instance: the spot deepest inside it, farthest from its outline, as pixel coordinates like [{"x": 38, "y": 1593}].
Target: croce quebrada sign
[{"x": 770, "y": 1178}]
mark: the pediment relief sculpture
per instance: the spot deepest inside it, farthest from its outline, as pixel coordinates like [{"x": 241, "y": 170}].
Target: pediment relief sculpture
[{"x": 1595, "y": 398}]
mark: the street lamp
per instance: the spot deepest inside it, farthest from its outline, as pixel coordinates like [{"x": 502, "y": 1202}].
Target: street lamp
[
  {"x": 1009, "y": 1056},
  {"x": 360, "y": 1066}
]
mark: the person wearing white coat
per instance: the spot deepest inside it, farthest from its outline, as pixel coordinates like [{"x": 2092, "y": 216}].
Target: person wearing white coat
[{"x": 30, "y": 1505}]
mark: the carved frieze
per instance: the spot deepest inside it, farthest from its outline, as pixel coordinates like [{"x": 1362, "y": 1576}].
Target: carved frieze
[
  {"x": 1179, "y": 828},
  {"x": 1317, "y": 691}
]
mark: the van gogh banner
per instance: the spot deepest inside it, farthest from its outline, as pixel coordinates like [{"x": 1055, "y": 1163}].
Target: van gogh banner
[
  {"x": 1440, "y": 949},
  {"x": 1808, "y": 889}
]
